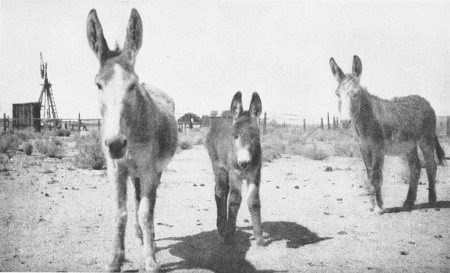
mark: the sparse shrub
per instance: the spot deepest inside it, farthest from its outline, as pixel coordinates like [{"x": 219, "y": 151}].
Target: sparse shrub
[
  {"x": 90, "y": 154},
  {"x": 25, "y": 134},
  {"x": 28, "y": 148},
  {"x": 8, "y": 141},
  {"x": 315, "y": 152},
  {"x": 50, "y": 147},
  {"x": 346, "y": 149},
  {"x": 270, "y": 152},
  {"x": 185, "y": 145},
  {"x": 62, "y": 133}
]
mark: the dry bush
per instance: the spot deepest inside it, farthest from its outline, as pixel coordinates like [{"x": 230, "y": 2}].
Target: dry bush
[
  {"x": 185, "y": 145},
  {"x": 315, "y": 151},
  {"x": 346, "y": 148},
  {"x": 90, "y": 154},
  {"x": 25, "y": 134},
  {"x": 191, "y": 137},
  {"x": 50, "y": 147},
  {"x": 8, "y": 141},
  {"x": 62, "y": 133},
  {"x": 195, "y": 136},
  {"x": 28, "y": 148},
  {"x": 315, "y": 143}
]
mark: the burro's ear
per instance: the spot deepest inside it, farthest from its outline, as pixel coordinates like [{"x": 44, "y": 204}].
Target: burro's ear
[
  {"x": 356, "y": 67},
  {"x": 95, "y": 36},
  {"x": 133, "y": 40},
  {"x": 336, "y": 70},
  {"x": 236, "y": 105},
  {"x": 255, "y": 105}
]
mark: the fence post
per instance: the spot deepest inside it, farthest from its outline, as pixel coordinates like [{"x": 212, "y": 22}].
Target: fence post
[
  {"x": 4, "y": 121},
  {"x": 334, "y": 123},
  {"x": 98, "y": 123},
  {"x": 265, "y": 123},
  {"x": 448, "y": 125},
  {"x": 79, "y": 122},
  {"x": 321, "y": 123},
  {"x": 328, "y": 120},
  {"x": 337, "y": 123},
  {"x": 304, "y": 125}
]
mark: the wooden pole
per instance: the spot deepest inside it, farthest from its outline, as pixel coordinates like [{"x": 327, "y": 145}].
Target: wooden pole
[
  {"x": 448, "y": 126},
  {"x": 321, "y": 123},
  {"x": 265, "y": 123},
  {"x": 79, "y": 122},
  {"x": 4, "y": 121},
  {"x": 334, "y": 123},
  {"x": 304, "y": 125},
  {"x": 328, "y": 120},
  {"x": 98, "y": 123}
]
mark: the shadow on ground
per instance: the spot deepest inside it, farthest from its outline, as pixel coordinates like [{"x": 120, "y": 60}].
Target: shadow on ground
[
  {"x": 206, "y": 250},
  {"x": 437, "y": 205}
]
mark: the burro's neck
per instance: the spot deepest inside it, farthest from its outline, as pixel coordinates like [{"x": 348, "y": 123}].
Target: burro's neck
[{"x": 142, "y": 118}]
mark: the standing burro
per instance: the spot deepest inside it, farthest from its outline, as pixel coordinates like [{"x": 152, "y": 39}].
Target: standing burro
[
  {"x": 139, "y": 134},
  {"x": 235, "y": 152}
]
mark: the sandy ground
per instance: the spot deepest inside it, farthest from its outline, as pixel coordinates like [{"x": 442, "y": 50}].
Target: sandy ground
[{"x": 55, "y": 217}]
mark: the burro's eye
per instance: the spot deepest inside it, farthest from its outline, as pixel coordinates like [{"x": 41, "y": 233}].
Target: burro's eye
[{"x": 131, "y": 87}]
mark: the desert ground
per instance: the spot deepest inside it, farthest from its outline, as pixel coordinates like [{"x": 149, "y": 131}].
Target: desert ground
[{"x": 56, "y": 217}]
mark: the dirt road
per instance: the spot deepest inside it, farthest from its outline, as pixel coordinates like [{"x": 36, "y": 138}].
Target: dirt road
[{"x": 55, "y": 217}]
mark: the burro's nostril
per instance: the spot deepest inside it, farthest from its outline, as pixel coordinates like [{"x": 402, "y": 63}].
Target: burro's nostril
[
  {"x": 116, "y": 146},
  {"x": 244, "y": 164}
]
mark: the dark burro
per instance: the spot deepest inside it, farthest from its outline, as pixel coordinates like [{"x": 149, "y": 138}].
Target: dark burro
[
  {"x": 394, "y": 127},
  {"x": 139, "y": 132},
  {"x": 235, "y": 152}
]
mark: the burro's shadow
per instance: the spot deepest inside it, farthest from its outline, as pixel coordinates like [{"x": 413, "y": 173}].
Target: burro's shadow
[
  {"x": 437, "y": 205},
  {"x": 206, "y": 250}
]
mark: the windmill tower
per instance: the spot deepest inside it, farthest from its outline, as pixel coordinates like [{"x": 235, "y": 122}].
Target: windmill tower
[{"x": 46, "y": 99}]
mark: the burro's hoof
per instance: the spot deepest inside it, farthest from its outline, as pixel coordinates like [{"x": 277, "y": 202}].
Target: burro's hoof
[
  {"x": 260, "y": 242},
  {"x": 151, "y": 266},
  {"x": 377, "y": 210},
  {"x": 112, "y": 267}
]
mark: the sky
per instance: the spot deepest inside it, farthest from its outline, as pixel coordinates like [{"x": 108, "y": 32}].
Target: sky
[{"x": 202, "y": 52}]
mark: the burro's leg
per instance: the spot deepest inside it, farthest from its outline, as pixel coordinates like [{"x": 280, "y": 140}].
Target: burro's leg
[
  {"x": 366, "y": 153},
  {"x": 149, "y": 183},
  {"x": 377, "y": 178},
  {"x": 221, "y": 195},
  {"x": 414, "y": 174},
  {"x": 118, "y": 175},
  {"x": 254, "y": 205},
  {"x": 234, "y": 203},
  {"x": 137, "y": 201},
  {"x": 427, "y": 145}
]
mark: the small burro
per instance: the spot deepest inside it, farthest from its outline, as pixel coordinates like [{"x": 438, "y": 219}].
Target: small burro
[
  {"x": 139, "y": 133},
  {"x": 393, "y": 127},
  {"x": 235, "y": 152}
]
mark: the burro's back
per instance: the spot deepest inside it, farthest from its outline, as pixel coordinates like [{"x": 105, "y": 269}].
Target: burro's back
[{"x": 235, "y": 152}]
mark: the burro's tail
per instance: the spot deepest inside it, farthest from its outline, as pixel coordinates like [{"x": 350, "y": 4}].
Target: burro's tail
[{"x": 439, "y": 151}]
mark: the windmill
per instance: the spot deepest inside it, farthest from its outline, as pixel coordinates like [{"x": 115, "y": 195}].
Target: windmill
[{"x": 46, "y": 99}]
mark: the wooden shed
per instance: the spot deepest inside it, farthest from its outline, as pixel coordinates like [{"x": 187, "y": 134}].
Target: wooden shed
[{"x": 27, "y": 115}]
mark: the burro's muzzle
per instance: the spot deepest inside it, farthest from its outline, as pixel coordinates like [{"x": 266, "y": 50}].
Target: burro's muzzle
[{"x": 116, "y": 146}]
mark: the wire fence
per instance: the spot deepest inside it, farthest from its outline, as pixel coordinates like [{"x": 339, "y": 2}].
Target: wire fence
[{"x": 327, "y": 122}]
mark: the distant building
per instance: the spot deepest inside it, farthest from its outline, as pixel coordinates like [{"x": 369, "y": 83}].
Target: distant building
[{"x": 27, "y": 115}]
